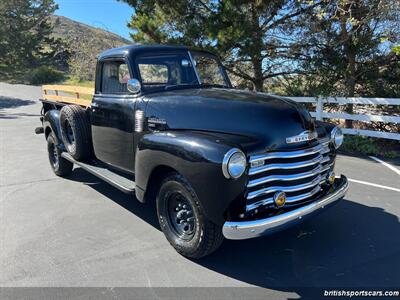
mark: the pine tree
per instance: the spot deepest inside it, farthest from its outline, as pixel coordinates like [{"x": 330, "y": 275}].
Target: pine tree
[
  {"x": 350, "y": 46},
  {"x": 25, "y": 34},
  {"x": 256, "y": 39}
]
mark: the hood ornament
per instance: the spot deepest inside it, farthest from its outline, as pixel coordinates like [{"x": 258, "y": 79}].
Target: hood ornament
[{"x": 302, "y": 137}]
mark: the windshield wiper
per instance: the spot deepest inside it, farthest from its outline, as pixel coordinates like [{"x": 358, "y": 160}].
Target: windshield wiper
[
  {"x": 172, "y": 86},
  {"x": 214, "y": 85}
]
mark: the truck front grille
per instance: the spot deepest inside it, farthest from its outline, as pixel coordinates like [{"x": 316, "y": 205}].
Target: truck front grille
[{"x": 298, "y": 173}]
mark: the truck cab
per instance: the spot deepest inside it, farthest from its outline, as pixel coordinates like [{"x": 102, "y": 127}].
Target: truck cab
[{"x": 166, "y": 125}]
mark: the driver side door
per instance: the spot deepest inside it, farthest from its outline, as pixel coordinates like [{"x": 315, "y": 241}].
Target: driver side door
[{"x": 113, "y": 115}]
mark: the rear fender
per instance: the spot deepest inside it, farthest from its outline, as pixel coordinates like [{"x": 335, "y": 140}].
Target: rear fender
[{"x": 51, "y": 124}]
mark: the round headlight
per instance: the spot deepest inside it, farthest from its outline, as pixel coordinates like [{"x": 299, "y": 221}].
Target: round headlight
[
  {"x": 234, "y": 164},
  {"x": 337, "y": 137}
]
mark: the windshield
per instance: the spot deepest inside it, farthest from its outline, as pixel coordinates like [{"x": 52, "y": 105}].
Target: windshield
[
  {"x": 160, "y": 71},
  {"x": 208, "y": 69}
]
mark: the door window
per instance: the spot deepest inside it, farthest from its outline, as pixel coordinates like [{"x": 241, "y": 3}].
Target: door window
[
  {"x": 114, "y": 78},
  {"x": 154, "y": 74}
]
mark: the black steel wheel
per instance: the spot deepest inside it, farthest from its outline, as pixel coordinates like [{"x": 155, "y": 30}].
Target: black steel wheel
[
  {"x": 180, "y": 216},
  {"x": 60, "y": 166},
  {"x": 69, "y": 133},
  {"x": 182, "y": 219}
]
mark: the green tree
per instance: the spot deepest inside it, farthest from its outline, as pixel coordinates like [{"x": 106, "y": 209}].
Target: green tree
[
  {"x": 256, "y": 39},
  {"x": 351, "y": 45},
  {"x": 25, "y": 34}
]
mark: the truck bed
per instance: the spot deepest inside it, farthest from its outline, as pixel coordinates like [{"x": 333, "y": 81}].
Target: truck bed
[{"x": 68, "y": 94}]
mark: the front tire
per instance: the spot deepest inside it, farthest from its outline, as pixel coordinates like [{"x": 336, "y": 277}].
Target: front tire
[
  {"x": 59, "y": 165},
  {"x": 182, "y": 219}
]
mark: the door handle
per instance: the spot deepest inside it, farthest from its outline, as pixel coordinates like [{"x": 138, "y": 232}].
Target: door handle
[{"x": 94, "y": 104}]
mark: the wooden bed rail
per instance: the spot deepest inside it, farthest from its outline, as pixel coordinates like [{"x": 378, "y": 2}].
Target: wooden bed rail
[{"x": 68, "y": 94}]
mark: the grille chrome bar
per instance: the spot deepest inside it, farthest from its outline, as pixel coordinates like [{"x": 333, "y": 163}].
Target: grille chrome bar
[
  {"x": 291, "y": 154},
  {"x": 287, "y": 189},
  {"x": 290, "y": 200},
  {"x": 291, "y": 177},
  {"x": 325, "y": 160},
  {"x": 323, "y": 148},
  {"x": 305, "y": 169},
  {"x": 286, "y": 166},
  {"x": 326, "y": 167}
]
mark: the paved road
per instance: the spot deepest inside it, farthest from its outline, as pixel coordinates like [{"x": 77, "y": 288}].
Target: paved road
[{"x": 81, "y": 232}]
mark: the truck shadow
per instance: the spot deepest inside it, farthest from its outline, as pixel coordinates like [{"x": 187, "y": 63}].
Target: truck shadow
[
  {"x": 350, "y": 245},
  {"x": 142, "y": 210}
]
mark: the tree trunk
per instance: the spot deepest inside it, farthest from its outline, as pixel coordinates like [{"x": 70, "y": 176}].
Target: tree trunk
[
  {"x": 350, "y": 84},
  {"x": 257, "y": 45},
  {"x": 350, "y": 73},
  {"x": 258, "y": 75}
]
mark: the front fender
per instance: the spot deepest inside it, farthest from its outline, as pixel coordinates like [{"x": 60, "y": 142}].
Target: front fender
[
  {"x": 51, "y": 121},
  {"x": 196, "y": 156},
  {"x": 324, "y": 128}
]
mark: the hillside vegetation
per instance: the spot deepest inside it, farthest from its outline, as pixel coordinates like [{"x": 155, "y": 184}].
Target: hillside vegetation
[
  {"x": 67, "y": 29},
  {"x": 81, "y": 45}
]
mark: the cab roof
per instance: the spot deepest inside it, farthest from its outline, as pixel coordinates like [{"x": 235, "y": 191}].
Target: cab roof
[{"x": 132, "y": 50}]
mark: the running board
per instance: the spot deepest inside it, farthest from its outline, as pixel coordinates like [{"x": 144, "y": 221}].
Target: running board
[{"x": 120, "y": 182}]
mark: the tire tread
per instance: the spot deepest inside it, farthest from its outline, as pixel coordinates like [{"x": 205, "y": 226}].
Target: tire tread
[
  {"x": 78, "y": 118},
  {"x": 213, "y": 237}
]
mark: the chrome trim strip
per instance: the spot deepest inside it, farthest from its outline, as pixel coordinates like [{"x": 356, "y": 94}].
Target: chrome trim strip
[
  {"x": 250, "y": 229},
  {"x": 292, "y": 199},
  {"x": 288, "y": 189},
  {"x": 291, "y": 177},
  {"x": 289, "y": 154},
  {"x": 139, "y": 120},
  {"x": 286, "y": 166}
]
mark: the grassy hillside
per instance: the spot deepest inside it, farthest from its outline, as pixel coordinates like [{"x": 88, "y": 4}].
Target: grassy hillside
[
  {"x": 68, "y": 29},
  {"x": 84, "y": 43}
]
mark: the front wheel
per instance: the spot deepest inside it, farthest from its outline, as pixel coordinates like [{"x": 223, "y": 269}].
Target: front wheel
[
  {"x": 61, "y": 166},
  {"x": 182, "y": 219}
]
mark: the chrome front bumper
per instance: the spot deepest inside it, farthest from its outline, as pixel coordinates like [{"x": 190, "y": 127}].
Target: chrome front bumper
[{"x": 250, "y": 229}]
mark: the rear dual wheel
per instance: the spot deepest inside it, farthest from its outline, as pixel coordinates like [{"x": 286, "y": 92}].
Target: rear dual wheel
[
  {"x": 60, "y": 166},
  {"x": 182, "y": 219}
]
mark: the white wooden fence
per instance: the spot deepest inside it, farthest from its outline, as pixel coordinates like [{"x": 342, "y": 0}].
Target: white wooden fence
[{"x": 320, "y": 114}]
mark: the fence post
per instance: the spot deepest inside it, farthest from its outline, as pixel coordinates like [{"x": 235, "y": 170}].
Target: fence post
[{"x": 319, "y": 109}]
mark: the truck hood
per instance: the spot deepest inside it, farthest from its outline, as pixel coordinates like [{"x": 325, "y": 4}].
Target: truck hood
[{"x": 260, "y": 119}]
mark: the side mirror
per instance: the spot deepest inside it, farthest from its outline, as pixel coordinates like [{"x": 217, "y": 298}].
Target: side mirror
[
  {"x": 134, "y": 86},
  {"x": 185, "y": 63}
]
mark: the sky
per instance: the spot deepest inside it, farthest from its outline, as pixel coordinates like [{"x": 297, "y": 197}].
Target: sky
[{"x": 110, "y": 15}]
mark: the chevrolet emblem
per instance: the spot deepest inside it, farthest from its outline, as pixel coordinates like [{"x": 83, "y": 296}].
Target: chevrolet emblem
[{"x": 302, "y": 137}]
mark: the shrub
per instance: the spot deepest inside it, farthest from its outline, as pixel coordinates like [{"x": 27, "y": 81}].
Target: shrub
[
  {"x": 44, "y": 75},
  {"x": 368, "y": 146}
]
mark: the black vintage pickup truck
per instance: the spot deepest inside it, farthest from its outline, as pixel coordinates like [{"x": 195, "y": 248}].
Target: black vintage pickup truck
[{"x": 166, "y": 125}]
